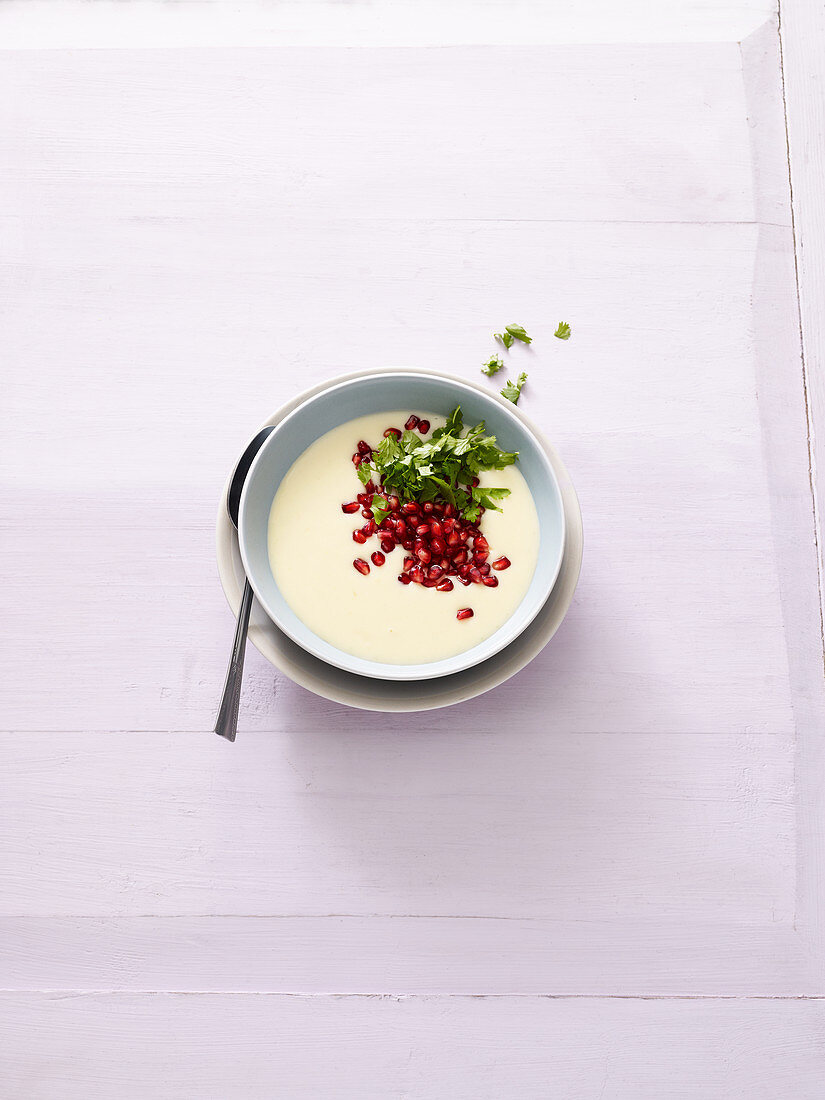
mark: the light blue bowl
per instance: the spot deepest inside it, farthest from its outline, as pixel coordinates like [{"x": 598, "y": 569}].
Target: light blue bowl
[{"x": 384, "y": 392}]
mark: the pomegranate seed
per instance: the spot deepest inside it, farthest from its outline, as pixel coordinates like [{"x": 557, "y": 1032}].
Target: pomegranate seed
[
  {"x": 400, "y": 528},
  {"x": 364, "y": 499},
  {"x": 444, "y": 563},
  {"x": 407, "y": 543},
  {"x": 370, "y": 486},
  {"x": 460, "y": 557},
  {"x": 423, "y": 426},
  {"x": 363, "y": 447},
  {"x": 366, "y": 513},
  {"x": 348, "y": 509},
  {"x": 369, "y": 528},
  {"x": 422, "y": 529},
  {"x": 449, "y": 524},
  {"x": 436, "y": 528},
  {"x": 416, "y": 575},
  {"x": 448, "y": 509},
  {"x": 359, "y": 537},
  {"x": 464, "y": 580},
  {"x": 437, "y": 507},
  {"x": 464, "y": 613},
  {"x": 480, "y": 556},
  {"x": 445, "y": 586},
  {"x": 394, "y": 503},
  {"x": 361, "y": 566},
  {"x": 410, "y": 508},
  {"x": 428, "y": 507},
  {"x": 474, "y": 575},
  {"x": 475, "y": 483},
  {"x": 453, "y": 539},
  {"x": 438, "y": 546},
  {"x": 491, "y": 582},
  {"x": 484, "y": 569},
  {"x": 408, "y": 564},
  {"x": 377, "y": 558},
  {"x": 356, "y": 459},
  {"x": 412, "y": 422},
  {"x": 422, "y": 552},
  {"x": 392, "y": 431},
  {"x": 405, "y": 578},
  {"x": 435, "y": 573},
  {"x": 501, "y": 563},
  {"x": 387, "y": 545},
  {"x": 480, "y": 543}
]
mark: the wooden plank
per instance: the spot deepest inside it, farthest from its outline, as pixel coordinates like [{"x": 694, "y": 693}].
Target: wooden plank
[
  {"x": 803, "y": 43},
  {"x": 803, "y": 39},
  {"x": 193, "y": 133},
  {"x": 252, "y": 1046},
  {"x": 402, "y": 818},
  {"x": 407, "y": 955},
  {"x": 70, "y": 24}
]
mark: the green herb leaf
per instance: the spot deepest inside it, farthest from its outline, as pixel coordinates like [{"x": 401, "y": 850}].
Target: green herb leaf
[
  {"x": 455, "y": 422},
  {"x": 504, "y": 337},
  {"x": 518, "y": 331},
  {"x": 441, "y": 466},
  {"x": 563, "y": 331},
  {"x": 494, "y": 364},
  {"x": 380, "y": 510},
  {"x": 365, "y": 472},
  {"x": 512, "y": 390}
]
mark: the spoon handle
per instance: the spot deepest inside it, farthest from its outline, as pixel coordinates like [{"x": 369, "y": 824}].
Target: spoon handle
[{"x": 226, "y": 724}]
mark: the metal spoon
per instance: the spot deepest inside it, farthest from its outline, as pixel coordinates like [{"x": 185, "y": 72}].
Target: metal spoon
[{"x": 226, "y": 724}]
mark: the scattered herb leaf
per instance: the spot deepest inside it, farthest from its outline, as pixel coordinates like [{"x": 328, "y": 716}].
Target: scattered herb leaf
[
  {"x": 512, "y": 390},
  {"x": 519, "y": 332},
  {"x": 504, "y": 337},
  {"x": 563, "y": 331},
  {"x": 493, "y": 365}
]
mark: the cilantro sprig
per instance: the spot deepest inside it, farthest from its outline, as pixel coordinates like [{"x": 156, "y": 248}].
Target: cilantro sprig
[
  {"x": 563, "y": 331},
  {"x": 511, "y": 334},
  {"x": 493, "y": 365},
  {"x": 444, "y": 465},
  {"x": 512, "y": 390},
  {"x": 519, "y": 333}
]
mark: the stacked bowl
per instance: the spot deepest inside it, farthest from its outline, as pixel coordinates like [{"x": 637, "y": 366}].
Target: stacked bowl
[{"x": 313, "y": 662}]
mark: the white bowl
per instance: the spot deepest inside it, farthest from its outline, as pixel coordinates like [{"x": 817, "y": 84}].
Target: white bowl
[{"x": 377, "y": 392}]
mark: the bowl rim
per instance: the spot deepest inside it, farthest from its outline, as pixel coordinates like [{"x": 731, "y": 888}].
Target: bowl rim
[{"x": 448, "y": 666}]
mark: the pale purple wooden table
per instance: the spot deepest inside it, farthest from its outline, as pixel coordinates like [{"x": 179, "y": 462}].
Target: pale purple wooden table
[{"x": 604, "y": 879}]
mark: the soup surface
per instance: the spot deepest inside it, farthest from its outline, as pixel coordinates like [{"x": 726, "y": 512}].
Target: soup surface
[{"x": 374, "y": 616}]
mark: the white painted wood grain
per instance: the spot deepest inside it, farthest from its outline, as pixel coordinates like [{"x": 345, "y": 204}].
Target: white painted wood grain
[
  {"x": 248, "y": 1047},
  {"x": 511, "y": 822},
  {"x": 218, "y": 133},
  {"x": 72, "y": 24},
  {"x": 407, "y": 955}
]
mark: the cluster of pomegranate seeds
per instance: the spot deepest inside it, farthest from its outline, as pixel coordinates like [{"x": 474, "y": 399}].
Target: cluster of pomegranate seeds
[{"x": 442, "y": 547}]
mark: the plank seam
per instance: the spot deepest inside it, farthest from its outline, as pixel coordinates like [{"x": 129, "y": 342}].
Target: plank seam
[
  {"x": 802, "y": 349},
  {"x": 331, "y": 994}
]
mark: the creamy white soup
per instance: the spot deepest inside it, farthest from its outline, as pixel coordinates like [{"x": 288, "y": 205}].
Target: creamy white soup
[{"x": 374, "y": 615}]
